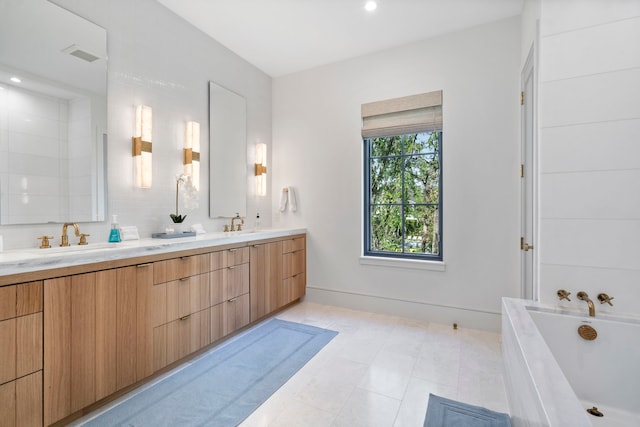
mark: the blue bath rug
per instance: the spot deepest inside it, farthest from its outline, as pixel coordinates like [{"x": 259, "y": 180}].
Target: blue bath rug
[
  {"x": 443, "y": 412},
  {"x": 225, "y": 386}
]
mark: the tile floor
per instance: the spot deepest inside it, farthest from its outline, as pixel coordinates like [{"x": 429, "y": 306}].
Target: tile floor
[{"x": 380, "y": 369}]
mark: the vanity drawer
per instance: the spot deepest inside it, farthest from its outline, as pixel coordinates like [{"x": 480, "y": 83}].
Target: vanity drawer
[
  {"x": 21, "y": 401},
  {"x": 293, "y": 263},
  {"x": 229, "y": 257},
  {"x": 20, "y": 300},
  {"x": 179, "y": 298},
  {"x": 179, "y": 268},
  {"x": 293, "y": 245},
  {"x": 22, "y": 346}
]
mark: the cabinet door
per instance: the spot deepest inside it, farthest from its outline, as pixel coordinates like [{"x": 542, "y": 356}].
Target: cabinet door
[
  {"x": 134, "y": 330},
  {"x": 106, "y": 334},
  {"x": 98, "y": 337},
  {"x": 57, "y": 344},
  {"x": 265, "y": 278}
]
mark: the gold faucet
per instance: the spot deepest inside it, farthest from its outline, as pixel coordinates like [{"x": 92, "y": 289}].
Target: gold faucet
[
  {"x": 65, "y": 238},
  {"x": 584, "y": 297},
  {"x": 233, "y": 226}
]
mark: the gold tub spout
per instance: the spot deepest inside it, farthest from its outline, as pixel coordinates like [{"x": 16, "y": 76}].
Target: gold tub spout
[{"x": 584, "y": 297}]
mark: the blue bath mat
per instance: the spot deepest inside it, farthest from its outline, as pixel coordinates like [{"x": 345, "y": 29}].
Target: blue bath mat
[
  {"x": 225, "y": 386},
  {"x": 443, "y": 412}
]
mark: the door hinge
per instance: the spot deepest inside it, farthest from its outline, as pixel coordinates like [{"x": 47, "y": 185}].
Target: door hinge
[
  {"x": 521, "y": 97},
  {"x": 521, "y": 170},
  {"x": 525, "y": 246}
]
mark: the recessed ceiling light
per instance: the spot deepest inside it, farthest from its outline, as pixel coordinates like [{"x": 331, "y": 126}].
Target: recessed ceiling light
[
  {"x": 15, "y": 79},
  {"x": 370, "y": 6}
]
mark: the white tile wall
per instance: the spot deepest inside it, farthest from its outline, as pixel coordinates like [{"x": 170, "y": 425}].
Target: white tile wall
[
  {"x": 170, "y": 71},
  {"x": 589, "y": 151},
  {"x": 608, "y": 194},
  {"x": 592, "y": 50},
  {"x": 594, "y": 98},
  {"x": 591, "y": 147},
  {"x": 567, "y": 15}
]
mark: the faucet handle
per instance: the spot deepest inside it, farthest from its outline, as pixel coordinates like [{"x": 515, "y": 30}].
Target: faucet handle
[
  {"x": 605, "y": 298},
  {"x": 45, "y": 242},
  {"x": 562, "y": 294},
  {"x": 83, "y": 238},
  {"x": 226, "y": 228}
]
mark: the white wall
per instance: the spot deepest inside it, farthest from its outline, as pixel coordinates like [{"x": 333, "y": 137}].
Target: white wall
[
  {"x": 158, "y": 59},
  {"x": 318, "y": 150},
  {"x": 590, "y": 151}
]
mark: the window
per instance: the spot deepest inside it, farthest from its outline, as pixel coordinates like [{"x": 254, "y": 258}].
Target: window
[{"x": 403, "y": 178}]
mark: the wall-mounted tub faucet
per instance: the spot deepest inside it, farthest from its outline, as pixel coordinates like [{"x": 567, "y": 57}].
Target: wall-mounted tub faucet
[
  {"x": 583, "y": 296},
  {"x": 604, "y": 298},
  {"x": 562, "y": 294}
]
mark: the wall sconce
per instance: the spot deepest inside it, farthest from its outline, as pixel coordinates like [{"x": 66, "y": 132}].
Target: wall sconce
[
  {"x": 142, "y": 147},
  {"x": 261, "y": 169},
  {"x": 192, "y": 153}
]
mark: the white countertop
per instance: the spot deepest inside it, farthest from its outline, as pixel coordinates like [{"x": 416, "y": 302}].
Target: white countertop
[{"x": 28, "y": 260}]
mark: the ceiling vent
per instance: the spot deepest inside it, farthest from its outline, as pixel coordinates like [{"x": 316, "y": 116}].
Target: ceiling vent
[{"x": 78, "y": 52}]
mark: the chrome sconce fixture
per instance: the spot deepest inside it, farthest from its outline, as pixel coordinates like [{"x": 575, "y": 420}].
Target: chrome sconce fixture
[
  {"x": 261, "y": 169},
  {"x": 192, "y": 153},
  {"x": 142, "y": 147}
]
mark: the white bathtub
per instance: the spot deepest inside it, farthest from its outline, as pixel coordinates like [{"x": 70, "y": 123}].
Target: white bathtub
[{"x": 552, "y": 375}]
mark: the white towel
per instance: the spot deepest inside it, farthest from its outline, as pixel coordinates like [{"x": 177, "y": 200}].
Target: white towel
[
  {"x": 292, "y": 200},
  {"x": 283, "y": 199}
]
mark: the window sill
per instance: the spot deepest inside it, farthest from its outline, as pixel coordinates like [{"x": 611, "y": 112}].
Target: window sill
[{"x": 403, "y": 263}]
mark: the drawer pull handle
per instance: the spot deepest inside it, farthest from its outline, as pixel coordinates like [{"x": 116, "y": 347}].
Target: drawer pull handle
[
  {"x": 231, "y": 267},
  {"x": 233, "y": 299},
  {"x": 184, "y": 279},
  {"x": 185, "y": 317},
  {"x": 144, "y": 265},
  {"x": 184, "y": 258},
  {"x": 232, "y": 250}
]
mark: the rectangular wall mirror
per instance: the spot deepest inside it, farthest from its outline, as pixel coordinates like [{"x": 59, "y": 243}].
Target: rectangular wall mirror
[
  {"x": 228, "y": 153},
  {"x": 53, "y": 115}
]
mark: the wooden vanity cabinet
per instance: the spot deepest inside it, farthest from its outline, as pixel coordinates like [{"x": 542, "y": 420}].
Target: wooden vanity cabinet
[
  {"x": 67, "y": 342},
  {"x": 97, "y": 336},
  {"x": 266, "y": 278},
  {"x": 294, "y": 268},
  {"x": 21, "y": 354},
  {"x": 232, "y": 281},
  {"x": 180, "y": 314}
]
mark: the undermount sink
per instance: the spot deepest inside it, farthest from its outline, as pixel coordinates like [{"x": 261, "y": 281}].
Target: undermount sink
[{"x": 73, "y": 248}]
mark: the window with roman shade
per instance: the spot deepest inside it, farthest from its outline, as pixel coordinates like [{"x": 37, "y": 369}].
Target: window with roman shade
[{"x": 403, "y": 177}]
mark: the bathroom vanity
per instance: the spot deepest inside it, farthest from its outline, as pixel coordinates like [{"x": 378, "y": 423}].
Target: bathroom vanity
[{"x": 79, "y": 327}]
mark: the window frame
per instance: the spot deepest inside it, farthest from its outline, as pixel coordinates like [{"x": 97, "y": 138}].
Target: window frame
[{"x": 415, "y": 256}]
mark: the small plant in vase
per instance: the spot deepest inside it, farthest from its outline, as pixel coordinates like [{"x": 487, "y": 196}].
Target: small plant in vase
[{"x": 190, "y": 196}]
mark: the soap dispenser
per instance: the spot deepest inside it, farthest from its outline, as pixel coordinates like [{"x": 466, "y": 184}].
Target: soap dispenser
[{"x": 114, "y": 236}]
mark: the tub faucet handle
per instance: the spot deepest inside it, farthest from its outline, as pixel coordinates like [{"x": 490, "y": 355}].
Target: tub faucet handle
[
  {"x": 562, "y": 294},
  {"x": 605, "y": 298}
]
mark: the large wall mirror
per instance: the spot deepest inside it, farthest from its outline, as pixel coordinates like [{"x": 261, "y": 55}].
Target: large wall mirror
[
  {"x": 228, "y": 153},
  {"x": 53, "y": 120}
]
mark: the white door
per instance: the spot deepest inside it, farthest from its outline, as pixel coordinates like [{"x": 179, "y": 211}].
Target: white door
[{"x": 527, "y": 244}]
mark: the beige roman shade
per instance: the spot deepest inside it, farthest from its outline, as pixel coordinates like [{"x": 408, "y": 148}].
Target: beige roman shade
[{"x": 399, "y": 116}]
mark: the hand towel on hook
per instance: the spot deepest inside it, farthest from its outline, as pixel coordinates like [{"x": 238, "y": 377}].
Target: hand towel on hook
[
  {"x": 293, "y": 203},
  {"x": 283, "y": 198}
]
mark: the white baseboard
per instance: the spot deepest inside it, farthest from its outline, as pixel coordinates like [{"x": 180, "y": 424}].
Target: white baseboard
[{"x": 426, "y": 312}]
